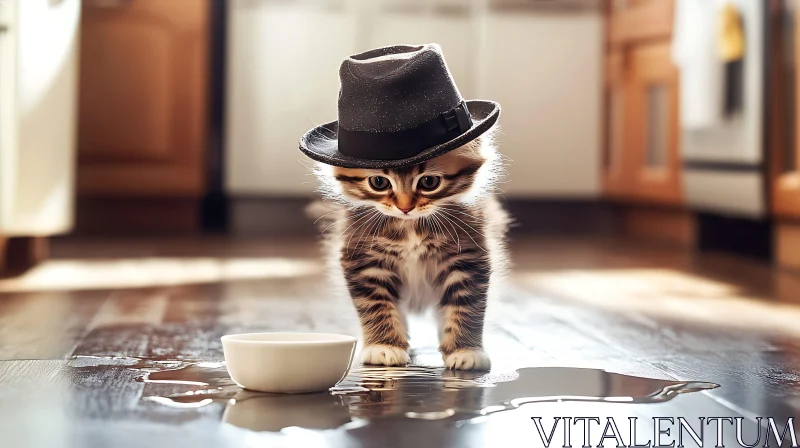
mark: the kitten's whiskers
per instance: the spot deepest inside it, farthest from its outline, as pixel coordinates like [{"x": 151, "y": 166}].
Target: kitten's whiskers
[
  {"x": 427, "y": 225},
  {"x": 465, "y": 231},
  {"x": 476, "y": 219},
  {"x": 362, "y": 216},
  {"x": 456, "y": 237},
  {"x": 461, "y": 221},
  {"x": 368, "y": 230},
  {"x": 342, "y": 219},
  {"x": 347, "y": 245},
  {"x": 333, "y": 211},
  {"x": 384, "y": 218},
  {"x": 439, "y": 225}
]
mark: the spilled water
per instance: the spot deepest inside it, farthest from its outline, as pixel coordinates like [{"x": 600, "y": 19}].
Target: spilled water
[{"x": 428, "y": 393}]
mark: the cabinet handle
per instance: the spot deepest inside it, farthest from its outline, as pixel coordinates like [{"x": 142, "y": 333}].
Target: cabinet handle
[
  {"x": 3, "y": 28},
  {"x": 105, "y": 3},
  {"x": 544, "y": 5}
]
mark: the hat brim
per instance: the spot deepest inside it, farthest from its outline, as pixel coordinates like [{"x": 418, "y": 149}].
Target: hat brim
[{"x": 321, "y": 143}]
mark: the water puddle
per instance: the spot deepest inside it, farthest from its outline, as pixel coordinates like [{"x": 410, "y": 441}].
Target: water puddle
[{"x": 426, "y": 393}]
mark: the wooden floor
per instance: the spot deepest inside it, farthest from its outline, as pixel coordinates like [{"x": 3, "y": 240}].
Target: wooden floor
[{"x": 71, "y": 330}]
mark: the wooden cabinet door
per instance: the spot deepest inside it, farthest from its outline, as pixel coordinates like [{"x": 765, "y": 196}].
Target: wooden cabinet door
[
  {"x": 639, "y": 20},
  {"x": 143, "y": 106},
  {"x": 616, "y": 165},
  {"x": 652, "y": 129},
  {"x": 785, "y": 152},
  {"x": 643, "y": 144}
]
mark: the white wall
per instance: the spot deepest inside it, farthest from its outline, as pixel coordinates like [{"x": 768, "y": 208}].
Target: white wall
[
  {"x": 282, "y": 79},
  {"x": 546, "y": 73},
  {"x": 544, "y": 69}
]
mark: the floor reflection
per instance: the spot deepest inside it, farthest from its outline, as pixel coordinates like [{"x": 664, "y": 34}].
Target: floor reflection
[{"x": 414, "y": 392}]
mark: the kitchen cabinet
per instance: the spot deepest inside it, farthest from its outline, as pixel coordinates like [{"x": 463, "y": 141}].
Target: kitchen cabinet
[
  {"x": 38, "y": 84},
  {"x": 786, "y": 129},
  {"x": 617, "y": 173},
  {"x": 642, "y": 159},
  {"x": 785, "y": 135},
  {"x": 38, "y": 87},
  {"x": 639, "y": 20},
  {"x": 786, "y": 187},
  {"x": 143, "y": 98}
]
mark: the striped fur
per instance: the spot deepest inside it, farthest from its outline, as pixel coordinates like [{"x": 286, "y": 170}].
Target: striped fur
[{"x": 444, "y": 253}]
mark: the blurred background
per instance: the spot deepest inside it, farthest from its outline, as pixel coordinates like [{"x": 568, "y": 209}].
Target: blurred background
[
  {"x": 152, "y": 198},
  {"x": 662, "y": 120}
]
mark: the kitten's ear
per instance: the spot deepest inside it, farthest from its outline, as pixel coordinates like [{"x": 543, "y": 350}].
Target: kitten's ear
[
  {"x": 321, "y": 169},
  {"x": 470, "y": 153},
  {"x": 486, "y": 143}
]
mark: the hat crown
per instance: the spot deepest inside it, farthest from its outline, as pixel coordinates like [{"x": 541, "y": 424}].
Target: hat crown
[{"x": 395, "y": 88}]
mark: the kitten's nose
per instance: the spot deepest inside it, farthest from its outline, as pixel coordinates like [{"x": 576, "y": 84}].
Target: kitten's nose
[{"x": 405, "y": 210}]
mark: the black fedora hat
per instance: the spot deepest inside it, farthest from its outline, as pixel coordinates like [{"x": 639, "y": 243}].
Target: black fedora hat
[{"x": 398, "y": 106}]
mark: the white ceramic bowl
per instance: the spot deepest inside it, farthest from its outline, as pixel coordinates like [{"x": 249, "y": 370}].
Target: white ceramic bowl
[{"x": 288, "y": 362}]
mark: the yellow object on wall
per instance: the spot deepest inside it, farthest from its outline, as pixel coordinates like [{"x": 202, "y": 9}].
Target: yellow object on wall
[{"x": 730, "y": 42}]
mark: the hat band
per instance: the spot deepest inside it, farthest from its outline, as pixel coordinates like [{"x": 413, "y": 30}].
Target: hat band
[{"x": 407, "y": 143}]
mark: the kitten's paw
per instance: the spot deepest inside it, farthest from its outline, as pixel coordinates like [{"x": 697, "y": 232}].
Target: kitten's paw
[
  {"x": 384, "y": 355},
  {"x": 469, "y": 359}
]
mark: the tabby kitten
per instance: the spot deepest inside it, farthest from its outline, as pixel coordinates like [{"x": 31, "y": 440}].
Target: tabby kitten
[{"x": 410, "y": 238}]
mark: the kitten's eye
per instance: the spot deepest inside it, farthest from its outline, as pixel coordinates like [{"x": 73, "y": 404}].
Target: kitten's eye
[
  {"x": 429, "y": 183},
  {"x": 379, "y": 183}
]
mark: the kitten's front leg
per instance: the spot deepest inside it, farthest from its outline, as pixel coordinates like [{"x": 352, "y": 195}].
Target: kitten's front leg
[
  {"x": 465, "y": 283},
  {"x": 374, "y": 286}
]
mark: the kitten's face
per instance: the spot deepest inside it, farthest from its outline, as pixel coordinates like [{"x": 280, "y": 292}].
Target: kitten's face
[{"x": 416, "y": 191}]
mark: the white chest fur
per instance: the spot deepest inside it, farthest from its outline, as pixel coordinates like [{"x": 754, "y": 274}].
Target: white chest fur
[{"x": 417, "y": 293}]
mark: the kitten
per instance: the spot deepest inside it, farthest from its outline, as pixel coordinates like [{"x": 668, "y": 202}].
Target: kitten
[{"x": 410, "y": 238}]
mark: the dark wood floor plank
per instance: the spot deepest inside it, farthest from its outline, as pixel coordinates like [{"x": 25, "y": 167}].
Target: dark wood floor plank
[
  {"x": 45, "y": 325},
  {"x": 763, "y": 384},
  {"x": 29, "y": 374},
  {"x": 125, "y": 323}
]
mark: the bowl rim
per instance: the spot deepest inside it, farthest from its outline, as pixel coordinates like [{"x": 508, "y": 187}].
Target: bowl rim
[{"x": 336, "y": 338}]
